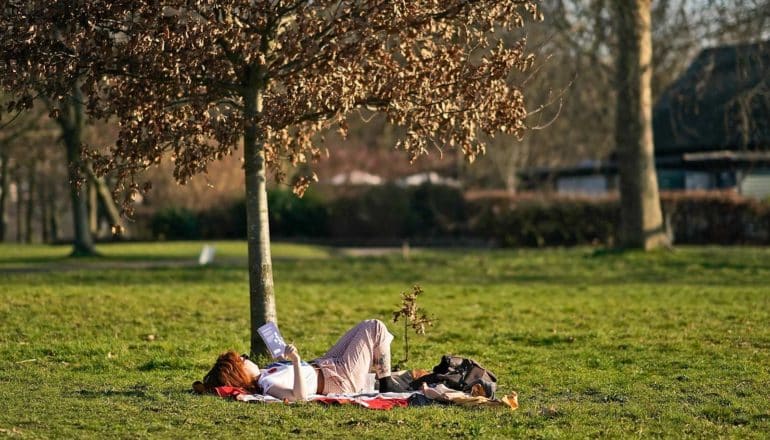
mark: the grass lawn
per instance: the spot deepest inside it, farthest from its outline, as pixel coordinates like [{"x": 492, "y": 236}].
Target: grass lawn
[{"x": 671, "y": 344}]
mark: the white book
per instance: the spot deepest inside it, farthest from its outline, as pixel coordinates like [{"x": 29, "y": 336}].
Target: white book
[{"x": 273, "y": 339}]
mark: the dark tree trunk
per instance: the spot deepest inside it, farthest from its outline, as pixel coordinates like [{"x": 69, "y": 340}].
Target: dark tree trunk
[
  {"x": 4, "y": 187},
  {"x": 105, "y": 196},
  {"x": 19, "y": 207},
  {"x": 42, "y": 198},
  {"x": 93, "y": 209},
  {"x": 71, "y": 122},
  {"x": 640, "y": 212},
  {"x": 261, "y": 290},
  {"x": 31, "y": 189},
  {"x": 53, "y": 213}
]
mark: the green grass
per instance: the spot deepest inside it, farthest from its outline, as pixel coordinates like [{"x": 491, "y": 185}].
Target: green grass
[
  {"x": 671, "y": 344},
  {"x": 14, "y": 256}
]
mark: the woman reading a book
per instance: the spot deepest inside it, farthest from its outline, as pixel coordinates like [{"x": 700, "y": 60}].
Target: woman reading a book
[{"x": 343, "y": 369}]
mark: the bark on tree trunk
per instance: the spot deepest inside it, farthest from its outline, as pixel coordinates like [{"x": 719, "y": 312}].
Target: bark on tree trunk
[
  {"x": 261, "y": 291},
  {"x": 93, "y": 209},
  {"x": 53, "y": 213},
  {"x": 4, "y": 187},
  {"x": 640, "y": 213},
  {"x": 31, "y": 189},
  {"x": 43, "y": 205},
  {"x": 71, "y": 122},
  {"x": 19, "y": 206},
  {"x": 105, "y": 196}
]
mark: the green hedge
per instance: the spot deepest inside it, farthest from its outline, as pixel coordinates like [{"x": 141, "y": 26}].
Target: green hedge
[
  {"x": 379, "y": 213},
  {"x": 691, "y": 217},
  {"x": 538, "y": 221},
  {"x": 439, "y": 214},
  {"x": 291, "y": 216},
  {"x": 175, "y": 224},
  {"x": 390, "y": 212},
  {"x": 717, "y": 218}
]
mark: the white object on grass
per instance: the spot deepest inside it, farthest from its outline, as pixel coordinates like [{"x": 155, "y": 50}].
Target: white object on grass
[{"x": 207, "y": 255}]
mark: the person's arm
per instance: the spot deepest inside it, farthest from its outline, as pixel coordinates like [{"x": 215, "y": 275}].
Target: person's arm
[{"x": 299, "y": 392}]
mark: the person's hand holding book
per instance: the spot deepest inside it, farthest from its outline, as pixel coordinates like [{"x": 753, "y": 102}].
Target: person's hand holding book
[{"x": 291, "y": 353}]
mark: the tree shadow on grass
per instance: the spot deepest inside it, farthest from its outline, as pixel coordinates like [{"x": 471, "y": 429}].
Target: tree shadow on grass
[
  {"x": 98, "y": 394},
  {"x": 43, "y": 259}
]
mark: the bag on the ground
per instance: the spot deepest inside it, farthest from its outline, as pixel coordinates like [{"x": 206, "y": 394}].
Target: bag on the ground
[{"x": 460, "y": 374}]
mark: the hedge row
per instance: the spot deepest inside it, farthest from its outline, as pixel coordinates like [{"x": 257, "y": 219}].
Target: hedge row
[
  {"x": 690, "y": 217},
  {"x": 438, "y": 214}
]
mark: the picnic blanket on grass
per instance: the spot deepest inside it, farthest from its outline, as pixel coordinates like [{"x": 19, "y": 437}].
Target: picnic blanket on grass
[{"x": 438, "y": 394}]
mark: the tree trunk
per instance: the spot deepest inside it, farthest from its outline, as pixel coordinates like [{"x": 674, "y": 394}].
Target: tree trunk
[
  {"x": 93, "y": 209},
  {"x": 19, "y": 206},
  {"x": 53, "y": 213},
  {"x": 71, "y": 122},
  {"x": 31, "y": 189},
  {"x": 261, "y": 291},
  {"x": 43, "y": 205},
  {"x": 4, "y": 187},
  {"x": 641, "y": 222},
  {"x": 105, "y": 196}
]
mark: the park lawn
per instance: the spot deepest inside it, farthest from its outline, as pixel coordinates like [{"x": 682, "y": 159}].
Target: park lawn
[
  {"x": 18, "y": 256},
  {"x": 597, "y": 344}
]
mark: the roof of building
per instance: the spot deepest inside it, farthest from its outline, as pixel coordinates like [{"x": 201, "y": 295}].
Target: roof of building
[{"x": 722, "y": 101}]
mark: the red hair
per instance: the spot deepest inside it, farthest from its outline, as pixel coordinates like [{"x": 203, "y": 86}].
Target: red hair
[{"x": 229, "y": 371}]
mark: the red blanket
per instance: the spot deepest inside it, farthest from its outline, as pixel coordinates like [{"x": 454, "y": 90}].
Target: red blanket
[{"x": 378, "y": 402}]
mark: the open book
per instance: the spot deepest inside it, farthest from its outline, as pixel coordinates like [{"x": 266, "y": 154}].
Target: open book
[{"x": 273, "y": 339}]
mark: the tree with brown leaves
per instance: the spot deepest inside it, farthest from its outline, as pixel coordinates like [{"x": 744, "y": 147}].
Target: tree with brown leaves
[{"x": 195, "y": 78}]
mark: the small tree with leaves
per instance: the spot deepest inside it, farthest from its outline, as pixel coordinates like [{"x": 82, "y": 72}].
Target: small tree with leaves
[
  {"x": 195, "y": 79},
  {"x": 412, "y": 316}
]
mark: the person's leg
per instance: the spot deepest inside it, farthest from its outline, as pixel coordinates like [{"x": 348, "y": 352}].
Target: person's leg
[{"x": 365, "y": 345}]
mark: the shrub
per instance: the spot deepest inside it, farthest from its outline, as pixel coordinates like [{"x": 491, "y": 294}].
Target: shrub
[
  {"x": 291, "y": 216},
  {"x": 175, "y": 224},
  {"x": 391, "y": 212},
  {"x": 227, "y": 221},
  {"x": 435, "y": 211},
  {"x": 716, "y": 218},
  {"x": 692, "y": 218},
  {"x": 376, "y": 212},
  {"x": 551, "y": 221}
]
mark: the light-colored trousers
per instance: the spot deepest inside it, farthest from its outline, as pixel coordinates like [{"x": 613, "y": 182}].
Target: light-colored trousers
[{"x": 347, "y": 363}]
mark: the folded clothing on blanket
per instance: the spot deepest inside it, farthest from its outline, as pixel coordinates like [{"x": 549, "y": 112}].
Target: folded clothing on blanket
[{"x": 442, "y": 394}]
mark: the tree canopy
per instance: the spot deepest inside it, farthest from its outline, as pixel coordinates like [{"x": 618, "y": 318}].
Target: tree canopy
[
  {"x": 178, "y": 74},
  {"x": 194, "y": 78}
]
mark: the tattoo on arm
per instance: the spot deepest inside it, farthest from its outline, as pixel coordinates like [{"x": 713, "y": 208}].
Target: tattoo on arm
[{"x": 382, "y": 365}]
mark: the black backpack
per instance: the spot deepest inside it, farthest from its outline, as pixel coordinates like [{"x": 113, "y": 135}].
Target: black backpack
[{"x": 460, "y": 374}]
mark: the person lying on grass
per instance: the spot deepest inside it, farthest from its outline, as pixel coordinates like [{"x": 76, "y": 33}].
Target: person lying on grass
[{"x": 343, "y": 369}]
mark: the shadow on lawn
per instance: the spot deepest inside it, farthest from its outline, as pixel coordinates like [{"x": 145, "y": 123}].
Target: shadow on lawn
[
  {"x": 43, "y": 259},
  {"x": 138, "y": 391},
  {"x": 574, "y": 268}
]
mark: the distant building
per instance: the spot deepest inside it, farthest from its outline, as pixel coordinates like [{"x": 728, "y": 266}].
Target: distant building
[
  {"x": 356, "y": 177},
  {"x": 711, "y": 127},
  {"x": 431, "y": 177}
]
